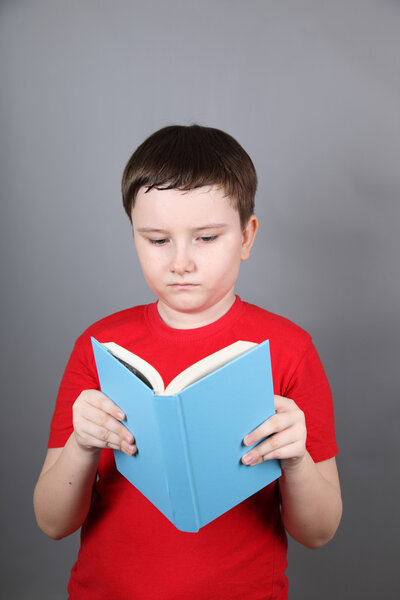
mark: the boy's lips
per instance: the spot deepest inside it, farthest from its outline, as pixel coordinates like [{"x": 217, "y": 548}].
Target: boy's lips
[{"x": 182, "y": 285}]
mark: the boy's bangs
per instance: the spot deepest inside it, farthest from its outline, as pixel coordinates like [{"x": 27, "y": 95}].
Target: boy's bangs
[
  {"x": 185, "y": 158},
  {"x": 189, "y": 180},
  {"x": 185, "y": 161}
]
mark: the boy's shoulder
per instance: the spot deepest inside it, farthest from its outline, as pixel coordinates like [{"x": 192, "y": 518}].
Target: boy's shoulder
[
  {"x": 116, "y": 324},
  {"x": 267, "y": 324}
]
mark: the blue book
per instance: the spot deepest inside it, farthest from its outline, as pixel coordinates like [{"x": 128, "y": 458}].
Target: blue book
[{"x": 190, "y": 436}]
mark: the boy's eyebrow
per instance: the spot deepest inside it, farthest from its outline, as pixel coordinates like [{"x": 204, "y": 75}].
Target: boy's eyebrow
[
  {"x": 151, "y": 230},
  {"x": 210, "y": 226},
  {"x": 206, "y": 226}
]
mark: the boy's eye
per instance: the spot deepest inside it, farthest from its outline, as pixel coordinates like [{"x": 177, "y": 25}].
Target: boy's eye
[
  {"x": 159, "y": 242},
  {"x": 208, "y": 238}
]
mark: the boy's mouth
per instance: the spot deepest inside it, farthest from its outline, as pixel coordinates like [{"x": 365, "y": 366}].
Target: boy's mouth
[{"x": 183, "y": 286}]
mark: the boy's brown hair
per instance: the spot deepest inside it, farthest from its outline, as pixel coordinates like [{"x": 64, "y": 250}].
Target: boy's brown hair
[{"x": 187, "y": 157}]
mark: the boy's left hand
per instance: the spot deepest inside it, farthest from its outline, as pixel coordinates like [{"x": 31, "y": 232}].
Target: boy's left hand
[{"x": 287, "y": 433}]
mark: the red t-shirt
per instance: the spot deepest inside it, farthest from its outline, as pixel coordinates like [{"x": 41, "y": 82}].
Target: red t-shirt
[{"x": 129, "y": 550}]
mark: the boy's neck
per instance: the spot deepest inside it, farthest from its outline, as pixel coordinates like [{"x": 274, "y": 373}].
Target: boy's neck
[{"x": 187, "y": 320}]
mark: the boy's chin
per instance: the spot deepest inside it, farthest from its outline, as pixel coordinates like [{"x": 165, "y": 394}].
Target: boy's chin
[
  {"x": 185, "y": 306},
  {"x": 191, "y": 304}
]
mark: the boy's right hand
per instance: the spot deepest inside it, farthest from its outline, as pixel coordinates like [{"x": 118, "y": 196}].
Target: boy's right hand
[{"x": 97, "y": 424}]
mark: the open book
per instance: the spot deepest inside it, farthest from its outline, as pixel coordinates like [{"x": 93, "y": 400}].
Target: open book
[
  {"x": 189, "y": 435},
  {"x": 151, "y": 377}
]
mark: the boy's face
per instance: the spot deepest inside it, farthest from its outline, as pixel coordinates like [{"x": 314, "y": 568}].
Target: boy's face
[{"x": 190, "y": 245}]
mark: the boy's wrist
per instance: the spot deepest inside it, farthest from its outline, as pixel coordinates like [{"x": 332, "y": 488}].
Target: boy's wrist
[
  {"x": 295, "y": 466},
  {"x": 82, "y": 451}
]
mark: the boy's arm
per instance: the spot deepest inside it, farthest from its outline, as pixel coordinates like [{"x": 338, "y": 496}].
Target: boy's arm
[
  {"x": 311, "y": 501},
  {"x": 63, "y": 493},
  {"x": 310, "y": 492}
]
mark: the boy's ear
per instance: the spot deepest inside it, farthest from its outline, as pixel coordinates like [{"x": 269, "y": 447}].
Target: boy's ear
[{"x": 248, "y": 236}]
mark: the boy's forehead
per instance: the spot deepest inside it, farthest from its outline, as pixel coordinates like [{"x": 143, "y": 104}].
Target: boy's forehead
[{"x": 204, "y": 202}]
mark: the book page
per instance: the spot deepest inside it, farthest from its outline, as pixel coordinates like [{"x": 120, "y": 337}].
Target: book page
[
  {"x": 140, "y": 367},
  {"x": 207, "y": 365},
  {"x": 135, "y": 371}
]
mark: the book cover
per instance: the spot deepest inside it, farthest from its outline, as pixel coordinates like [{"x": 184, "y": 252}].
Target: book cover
[{"x": 189, "y": 444}]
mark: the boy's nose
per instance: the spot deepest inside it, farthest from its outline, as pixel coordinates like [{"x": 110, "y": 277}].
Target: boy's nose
[{"x": 181, "y": 262}]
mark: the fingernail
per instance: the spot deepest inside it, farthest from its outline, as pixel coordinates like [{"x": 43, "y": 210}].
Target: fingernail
[
  {"x": 130, "y": 450},
  {"x": 248, "y": 440},
  {"x": 247, "y": 459},
  {"x": 120, "y": 415}
]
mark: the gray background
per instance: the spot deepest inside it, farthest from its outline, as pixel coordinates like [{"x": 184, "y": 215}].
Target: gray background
[{"x": 311, "y": 89}]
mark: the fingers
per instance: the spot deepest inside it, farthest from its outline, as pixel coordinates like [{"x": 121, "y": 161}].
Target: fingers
[
  {"x": 103, "y": 402},
  {"x": 97, "y": 436},
  {"x": 97, "y": 423},
  {"x": 282, "y": 436}
]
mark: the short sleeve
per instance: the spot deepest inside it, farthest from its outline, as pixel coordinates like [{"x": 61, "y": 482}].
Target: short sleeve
[
  {"x": 80, "y": 374},
  {"x": 309, "y": 388}
]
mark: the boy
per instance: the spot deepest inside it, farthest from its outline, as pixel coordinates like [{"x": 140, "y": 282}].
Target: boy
[{"x": 189, "y": 192}]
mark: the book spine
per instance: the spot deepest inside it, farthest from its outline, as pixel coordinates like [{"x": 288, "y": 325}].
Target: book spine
[{"x": 181, "y": 487}]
